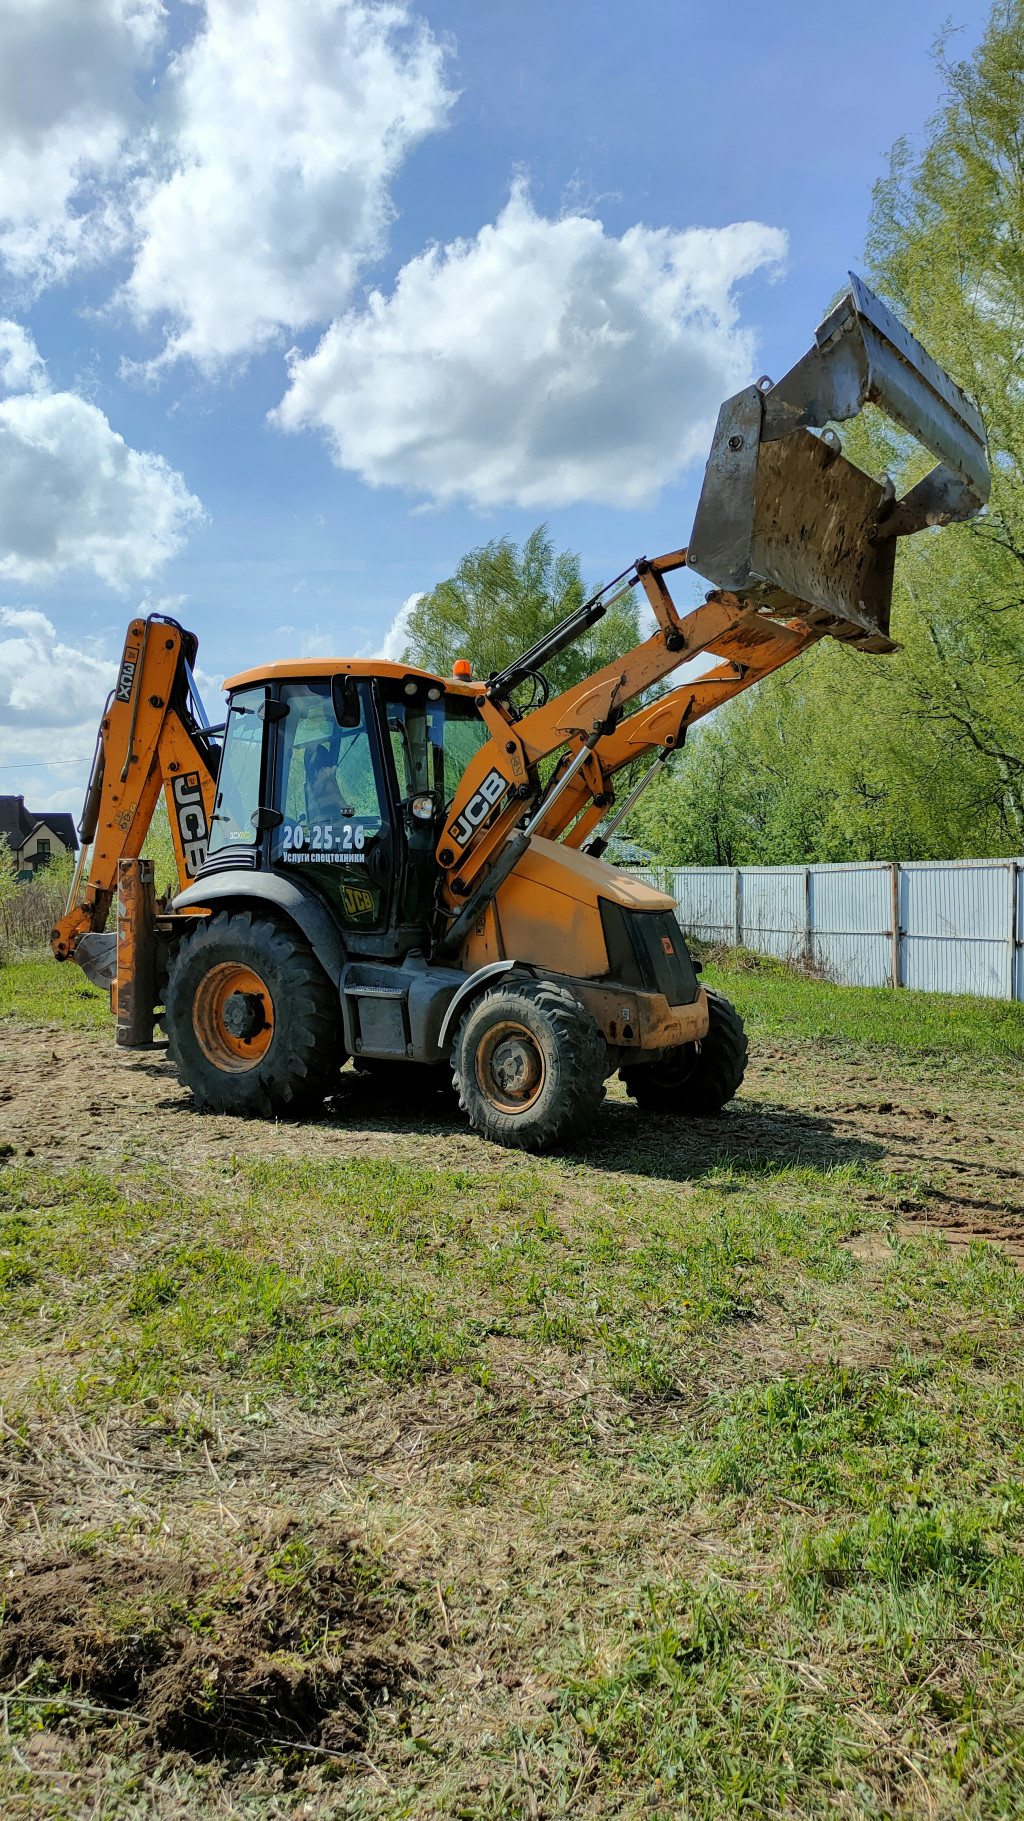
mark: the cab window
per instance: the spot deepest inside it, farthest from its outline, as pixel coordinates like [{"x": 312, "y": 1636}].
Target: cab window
[
  {"x": 464, "y": 734},
  {"x": 329, "y": 795},
  {"x": 432, "y": 742},
  {"x": 238, "y": 785}
]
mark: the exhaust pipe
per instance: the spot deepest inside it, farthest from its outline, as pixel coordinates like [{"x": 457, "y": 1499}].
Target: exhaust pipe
[{"x": 786, "y": 522}]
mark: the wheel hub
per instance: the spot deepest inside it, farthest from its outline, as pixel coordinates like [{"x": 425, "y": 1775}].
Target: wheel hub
[
  {"x": 515, "y": 1066},
  {"x": 243, "y": 1015},
  {"x": 510, "y": 1066},
  {"x": 233, "y": 1017}
]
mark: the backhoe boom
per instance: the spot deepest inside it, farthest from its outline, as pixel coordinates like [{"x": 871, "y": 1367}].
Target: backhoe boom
[{"x": 150, "y": 739}]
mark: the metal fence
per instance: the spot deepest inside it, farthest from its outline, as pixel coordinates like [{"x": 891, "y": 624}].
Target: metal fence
[{"x": 943, "y": 926}]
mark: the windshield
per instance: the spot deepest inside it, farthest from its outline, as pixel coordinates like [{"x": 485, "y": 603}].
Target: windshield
[{"x": 238, "y": 786}]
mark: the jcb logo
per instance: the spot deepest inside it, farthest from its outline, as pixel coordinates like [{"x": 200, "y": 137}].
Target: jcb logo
[
  {"x": 129, "y": 665},
  {"x": 357, "y": 902},
  {"x": 192, "y": 825},
  {"x": 478, "y": 808}
]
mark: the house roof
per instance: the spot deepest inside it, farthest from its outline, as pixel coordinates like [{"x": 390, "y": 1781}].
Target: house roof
[
  {"x": 61, "y": 821},
  {"x": 14, "y": 824},
  {"x": 18, "y": 824}
]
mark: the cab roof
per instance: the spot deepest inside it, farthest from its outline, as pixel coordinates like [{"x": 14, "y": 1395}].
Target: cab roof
[{"x": 313, "y": 670}]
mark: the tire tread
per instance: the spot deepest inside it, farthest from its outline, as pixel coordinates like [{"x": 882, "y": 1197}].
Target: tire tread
[
  {"x": 295, "y": 1076},
  {"x": 583, "y": 1066}
]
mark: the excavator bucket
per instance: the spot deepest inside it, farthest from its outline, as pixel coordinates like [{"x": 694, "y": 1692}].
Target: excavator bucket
[{"x": 786, "y": 522}]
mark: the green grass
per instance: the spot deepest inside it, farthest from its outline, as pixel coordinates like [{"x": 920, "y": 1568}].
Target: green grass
[
  {"x": 40, "y": 991},
  {"x": 646, "y": 1493},
  {"x": 776, "y": 1002}
]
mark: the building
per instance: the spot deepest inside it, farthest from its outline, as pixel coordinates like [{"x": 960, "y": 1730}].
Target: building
[{"x": 34, "y": 836}]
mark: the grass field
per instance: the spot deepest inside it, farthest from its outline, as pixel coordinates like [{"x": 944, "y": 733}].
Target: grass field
[{"x": 366, "y": 1470}]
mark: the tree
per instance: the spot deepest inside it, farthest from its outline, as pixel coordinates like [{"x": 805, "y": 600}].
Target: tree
[
  {"x": 919, "y": 755},
  {"x": 946, "y": 243},
  {"x": 501, "y": 600}
]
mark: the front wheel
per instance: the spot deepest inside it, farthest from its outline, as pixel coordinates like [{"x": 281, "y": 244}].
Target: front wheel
[
  {"x": 696, "y": 1080},
  {"x": 252, "y": 1020},
  {"x": 529, "y": 1065}
]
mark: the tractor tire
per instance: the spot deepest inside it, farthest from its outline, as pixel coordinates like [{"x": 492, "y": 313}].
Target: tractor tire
[
  {"x": 695, "y": 1080},
  {"x": 252, "y": 1021},
  {"x": 529, "y": 1065}
]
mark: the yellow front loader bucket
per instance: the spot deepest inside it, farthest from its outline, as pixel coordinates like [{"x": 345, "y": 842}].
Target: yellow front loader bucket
[{"x": 785, "y": 521}]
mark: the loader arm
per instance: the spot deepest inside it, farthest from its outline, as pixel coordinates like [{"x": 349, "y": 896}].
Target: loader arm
[
  {"x": 150, "y": 739},
  {"x": 505, "y": 771},
  {"x": 751, "y": 650},
  {"x": 587, "y": 720}
]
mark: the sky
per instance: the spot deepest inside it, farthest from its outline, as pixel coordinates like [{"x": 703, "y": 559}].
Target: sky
[{"x": 302, "y": 299}]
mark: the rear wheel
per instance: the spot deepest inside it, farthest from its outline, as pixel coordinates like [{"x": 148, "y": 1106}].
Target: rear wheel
[
  {"x": 252, "y": 1019},
  {"x": 529, "y": 1065},
  {"x": 696, "y": 1080}
]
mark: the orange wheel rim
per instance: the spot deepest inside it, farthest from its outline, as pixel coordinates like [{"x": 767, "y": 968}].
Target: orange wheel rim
[
  {"x": 510, "y": 1067},
  {"x": 233, "y": 1017}
]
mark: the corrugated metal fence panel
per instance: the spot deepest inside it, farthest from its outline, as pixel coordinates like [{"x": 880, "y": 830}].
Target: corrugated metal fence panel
[
  {"x": 704, "y": 900},
  {"x": 957, "y": 927},
  {"x": 773, "y": 910},
  {"x": 960, "y": 926},
  {"x": 851, "y": 923}
]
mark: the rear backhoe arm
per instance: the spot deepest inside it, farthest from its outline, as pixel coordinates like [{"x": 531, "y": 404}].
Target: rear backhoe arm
[{"x": 151, "y": 738}]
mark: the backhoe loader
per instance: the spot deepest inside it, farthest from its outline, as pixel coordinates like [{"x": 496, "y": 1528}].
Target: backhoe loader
[{"x": 382, "y": 864}]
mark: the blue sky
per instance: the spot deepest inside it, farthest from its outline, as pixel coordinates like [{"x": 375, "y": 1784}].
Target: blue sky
[{"x": 203, "y": 199}]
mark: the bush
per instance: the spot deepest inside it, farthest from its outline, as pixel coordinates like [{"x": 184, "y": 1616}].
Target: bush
[{"x": 29, "y": 911}]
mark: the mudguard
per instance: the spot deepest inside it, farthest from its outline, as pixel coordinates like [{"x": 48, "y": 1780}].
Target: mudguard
[{"x": 283, "y": 895}]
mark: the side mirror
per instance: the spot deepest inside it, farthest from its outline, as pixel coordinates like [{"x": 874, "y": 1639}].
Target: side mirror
[{"x": 345, "y": 698}]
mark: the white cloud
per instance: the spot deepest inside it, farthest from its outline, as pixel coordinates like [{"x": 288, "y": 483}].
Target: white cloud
[
  {"x": 397, "y": 636},
  {"x": 72, "y": 492},
  {"x": 67, "y": 111},
  {"x": 285, "y": 121},
  {"x": 51, "y": 698},
  {"x": 44, "y": 683},
  {"x": 21, "y": 369},
  {"x": 540, "y": 364}
]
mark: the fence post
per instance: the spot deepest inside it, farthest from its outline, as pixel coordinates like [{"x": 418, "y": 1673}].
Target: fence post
[
  {"x": 808, "y": 932},
  {"x": 896, "y": 931},
  {"x": 737, "y": 926},
  {"x": 1014, "y": 887}
]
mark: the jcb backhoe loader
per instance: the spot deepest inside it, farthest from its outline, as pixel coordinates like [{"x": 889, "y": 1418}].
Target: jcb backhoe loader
[{"x": 372, "y": 863}]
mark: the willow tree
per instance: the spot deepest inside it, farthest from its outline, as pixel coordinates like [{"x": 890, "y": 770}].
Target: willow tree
[{"x": 501, "y": 599}]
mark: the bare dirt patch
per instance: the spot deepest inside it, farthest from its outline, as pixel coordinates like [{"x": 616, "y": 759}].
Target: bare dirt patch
[
  {"x": 271, "y": 1643},
  {"x": 70, "y": 1097}
]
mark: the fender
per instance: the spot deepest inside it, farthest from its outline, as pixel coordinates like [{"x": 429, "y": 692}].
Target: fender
[
  {"x": 284, "y": 895},
  {"x": 469, "y": 989}
]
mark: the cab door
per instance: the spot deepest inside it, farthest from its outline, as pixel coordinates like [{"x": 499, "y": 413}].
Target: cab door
[{"x": 335, "y": 832}]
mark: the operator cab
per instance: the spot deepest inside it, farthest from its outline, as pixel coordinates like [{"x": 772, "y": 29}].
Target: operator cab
[{"x": 338, "y": 776}]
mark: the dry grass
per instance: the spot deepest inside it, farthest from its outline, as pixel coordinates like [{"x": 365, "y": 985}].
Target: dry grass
[
  {"x": 29, "y": 911},
  {"x": 361, "y": 1470}
]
